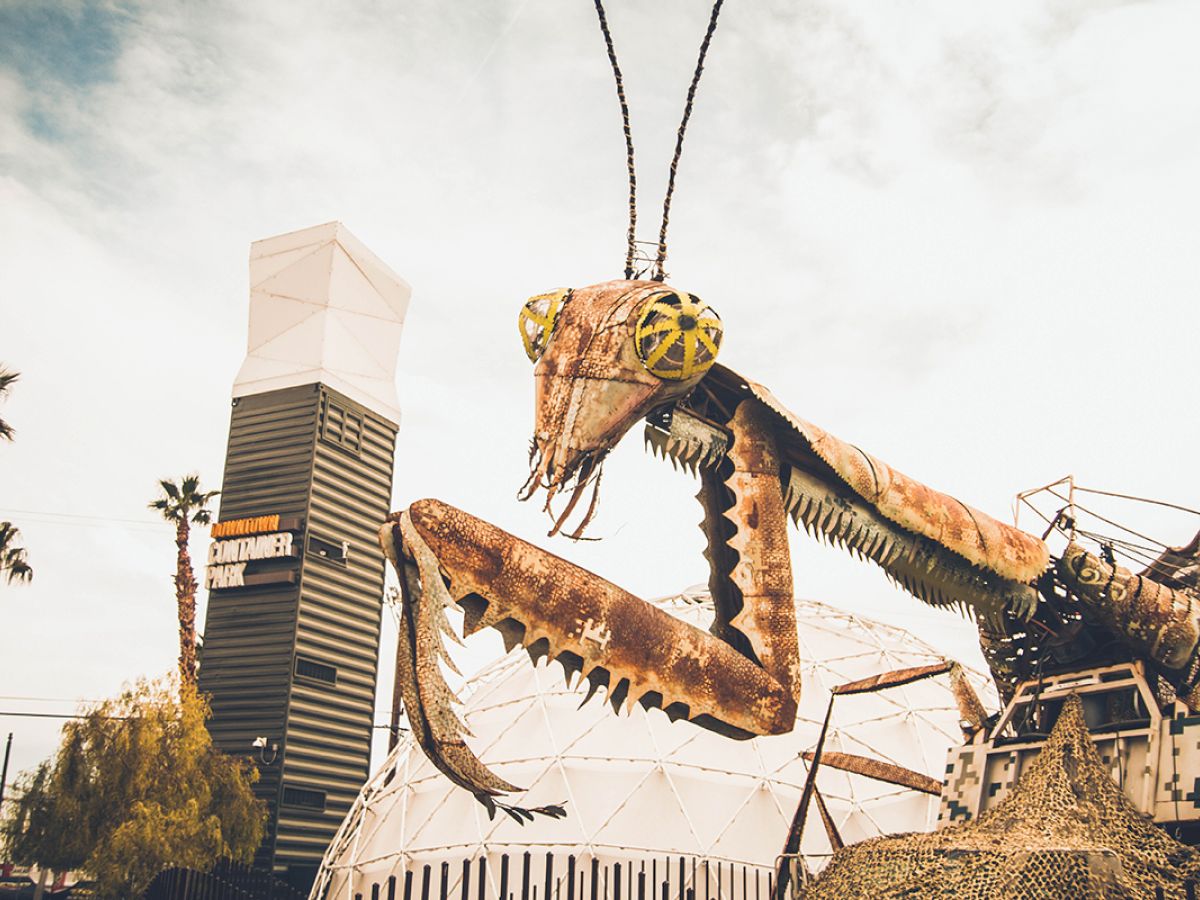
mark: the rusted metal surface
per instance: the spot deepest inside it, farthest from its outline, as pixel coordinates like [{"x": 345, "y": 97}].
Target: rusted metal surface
[
  {"x": 590, "y": 388},
  {"x": 878, "y": 770},
  {"x": 923, "y": 567},
  {"x": 1159, "y": 622},
  {"x": 894, "y": 678},
  {"x": 762, "y": 574},
  {"x": 593, "y": 627},
  {"x": 972, "y": 715},
  {"x": 428, "y": 700},
  {"x": 974, "y": 535},
  {"x": 831, "y": 830}
]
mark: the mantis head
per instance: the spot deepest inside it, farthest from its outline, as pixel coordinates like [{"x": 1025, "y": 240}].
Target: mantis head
[{"x": 604, "y": 357}]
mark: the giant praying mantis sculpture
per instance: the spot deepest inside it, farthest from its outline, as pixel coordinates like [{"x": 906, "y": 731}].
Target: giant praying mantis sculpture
[{"x": 612, "y": 354}]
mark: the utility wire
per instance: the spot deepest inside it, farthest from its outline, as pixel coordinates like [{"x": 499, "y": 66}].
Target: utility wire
[
  {"x": 58, "y": 518},
  {"x": 46, "y": 715}
]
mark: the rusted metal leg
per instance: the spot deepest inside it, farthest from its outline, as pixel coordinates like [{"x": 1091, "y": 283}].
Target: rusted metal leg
[
  {"x": 556, "y": 609},
  {"x": 751, "y": 567}
]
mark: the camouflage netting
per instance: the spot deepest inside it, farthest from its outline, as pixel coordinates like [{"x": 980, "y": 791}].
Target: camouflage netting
[{"x": 1065, "y": 831}]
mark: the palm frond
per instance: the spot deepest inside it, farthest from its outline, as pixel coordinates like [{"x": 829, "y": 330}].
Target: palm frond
[
  {"x": 183, "y": 500},
  {"x": 17, "y": 569},
  {"x": 14, "y": 563},
  {"x": 7, "y": 380}
]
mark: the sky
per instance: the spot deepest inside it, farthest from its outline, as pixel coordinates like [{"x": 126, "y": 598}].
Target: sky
[{"x": 961, "y": 236}]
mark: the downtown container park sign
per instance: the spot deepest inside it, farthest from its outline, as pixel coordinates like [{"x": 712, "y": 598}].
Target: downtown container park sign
[{"x": 260, "y": 550}]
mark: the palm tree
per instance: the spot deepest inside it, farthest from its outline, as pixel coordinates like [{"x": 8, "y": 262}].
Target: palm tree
[
  {"x": 13, "y": 563},
  {"x": 7, "y": 379},
  {"x": 183, "y": 504}
]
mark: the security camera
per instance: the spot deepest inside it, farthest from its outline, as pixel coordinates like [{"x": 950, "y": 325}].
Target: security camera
[{"x": 259, "y": 743}]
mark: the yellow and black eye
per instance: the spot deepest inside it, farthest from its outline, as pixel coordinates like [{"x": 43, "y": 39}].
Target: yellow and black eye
[
  {"x": 677, "y": 336},
  {"x": 537, "y": 320}
]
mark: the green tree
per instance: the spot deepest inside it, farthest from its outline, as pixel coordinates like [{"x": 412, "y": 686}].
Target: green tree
[
  {"x": 135, "y": 787},
  {"x": 14, "y": 564},
  {"x": 184, "y": 504}
]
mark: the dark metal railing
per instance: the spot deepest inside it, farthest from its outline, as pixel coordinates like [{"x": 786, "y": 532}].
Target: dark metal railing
[
  {"x": 225, "y": 881},
  {"x": 524, "y": 877}
]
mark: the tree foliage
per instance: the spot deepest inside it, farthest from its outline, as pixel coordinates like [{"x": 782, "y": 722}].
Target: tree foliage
[
  {"x": 14, "y": 562},
  {"x": 7, "y": 380},
  {"x": 183, "y": 504},
  {"x": 135, "y": 787}
]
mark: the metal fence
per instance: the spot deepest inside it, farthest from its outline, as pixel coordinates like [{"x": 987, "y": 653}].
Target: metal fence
[
  {"x": 524, "y": 877},
  {"x": 225, "y": 881}
]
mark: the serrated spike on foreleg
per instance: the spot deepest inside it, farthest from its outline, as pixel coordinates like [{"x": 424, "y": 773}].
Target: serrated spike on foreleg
[
  {"x": 882, "y": 549},
  {"x": 596, "y": 678},
  {"x": 448, "y": 630},
  {"x": 617, "y": 695},
  {"x": 477, "y": 618}
]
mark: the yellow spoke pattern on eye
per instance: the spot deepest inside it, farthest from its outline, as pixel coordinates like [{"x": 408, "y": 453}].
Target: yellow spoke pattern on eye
[
  {"x": 535, "y": 338},
  {"x": 661, "y": 350},
  {"x": 665, "y": 325},
  {"x": 679, "y": 321}
]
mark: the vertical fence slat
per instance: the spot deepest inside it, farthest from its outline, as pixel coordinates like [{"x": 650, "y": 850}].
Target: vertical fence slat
[
  {"x": 426, "y": 877},
  {"x": 571, "y": 877},
  {"x": 444, "y": 888},
  {"x": 503, "y": 877},
  {"x": 465, "y": 881},
  {"x": 408, "y": 880},
  {"x": 549, "y": 880},
  {"x": 596, "y": 877},
  {"x": 482, "y": 876},
  {"x": 525, "y": 875}
]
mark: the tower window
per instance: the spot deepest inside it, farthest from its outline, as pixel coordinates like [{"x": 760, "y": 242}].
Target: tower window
[
  {"x": 341, "y": 426},
  {"x": 305, "y": 798},
  {"x": 318, "y": 671}
]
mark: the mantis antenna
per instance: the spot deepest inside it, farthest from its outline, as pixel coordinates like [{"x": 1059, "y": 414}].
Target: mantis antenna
[{"x": 631, "y": 254}]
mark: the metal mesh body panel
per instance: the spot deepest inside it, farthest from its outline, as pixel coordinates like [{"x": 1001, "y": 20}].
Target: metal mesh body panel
[{"x": 1067, "y": 830}]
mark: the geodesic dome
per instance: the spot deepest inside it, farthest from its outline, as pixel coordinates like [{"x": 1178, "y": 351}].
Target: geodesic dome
[{"x": 639, "y": 788}]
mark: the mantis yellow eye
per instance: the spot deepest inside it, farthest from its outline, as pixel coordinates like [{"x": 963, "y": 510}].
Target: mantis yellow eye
[
  {"x": 677, "y": 336},
  {"x": 537, "y": 319}
]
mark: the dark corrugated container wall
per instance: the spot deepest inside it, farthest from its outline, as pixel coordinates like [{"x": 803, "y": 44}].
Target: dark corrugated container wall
[{"x": 296, "y": 662}]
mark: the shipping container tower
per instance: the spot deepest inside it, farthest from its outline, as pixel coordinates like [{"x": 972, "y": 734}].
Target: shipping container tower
[{"x": 294, "y": 573}]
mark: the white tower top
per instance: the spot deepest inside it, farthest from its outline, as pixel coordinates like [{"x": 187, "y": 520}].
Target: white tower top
[{"x": 324, "y": 308}]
